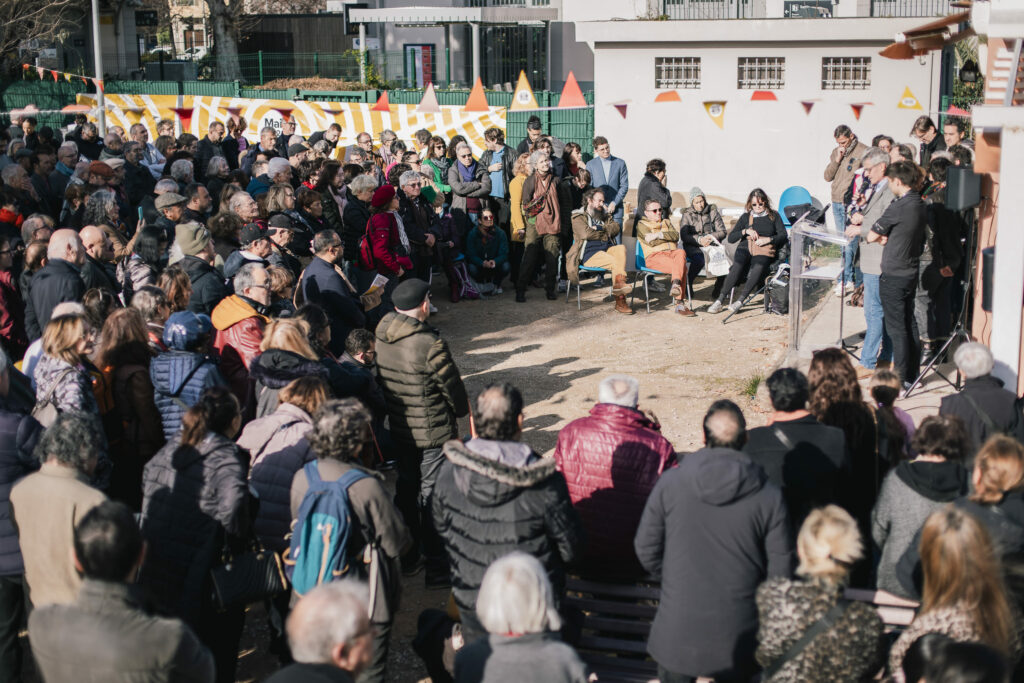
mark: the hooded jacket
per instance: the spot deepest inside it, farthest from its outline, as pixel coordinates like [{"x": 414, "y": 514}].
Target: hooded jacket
[
  {"x": 611, "y": 460},
  {"x": 239, "y": 335},
  {"x": 421, "y": 384},
  {"x": 54, "y": 283},
  {"x": 703, "y": 223},
  {"x": 274, "y": 369},
  {"x": 208, "y": 288},
  {"x": 184, "y": 376},
  {"x": 192, "y": 498},
  {"x": 910, "y": 492},
  {"x": 714, "y": 529},
  {"x": 493, "y": 497},
  {"x": 19, "y": 434}
]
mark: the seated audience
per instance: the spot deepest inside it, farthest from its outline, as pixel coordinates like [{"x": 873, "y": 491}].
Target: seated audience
[
  {"x": 850, "y": 649},
  {"x": 611, "y": 460},
  {"x": 517, "y": 607},
  {"x": 703, "y": 222},
  {"x": 713, "y": 530},
  {"x": 107, "y": 633},
  {"x": 594, "y": 245},
  {"x": 657, "y": 239},
  {"x": 494, "y": 495},
  {"x": 809, "y": 461},
  {"x": 487, "y": 253}
]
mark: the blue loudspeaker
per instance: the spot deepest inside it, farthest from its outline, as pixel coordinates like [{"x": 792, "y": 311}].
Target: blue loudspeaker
[{"x": 963, "y": 188}]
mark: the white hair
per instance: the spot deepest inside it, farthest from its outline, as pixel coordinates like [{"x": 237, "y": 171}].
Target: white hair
[
  {"x": 246, "y": 276},
  {"x": 238, "y": 200},
  {"x": 69, "y": 146},
  {"x": 619, "y": 390},
  {"x": 875, "y": 155},
  {"x": 216, "y": 165},
  {"x": 181, "y": 170},
  {"x": 462, "y": 145},
  {"x": 362, "y": 183},
  {"x": 277, "y": 165},
  {"x": 409, "y": 177},
  {"x": 11, "y": 173},
  {"x": 974, "y": 360},
  {"x": 329, "y": 615},
  {"x": 516, "y": 597},
  {"x": 537, "y": 156},
  {"x": 165, "y": 185}
]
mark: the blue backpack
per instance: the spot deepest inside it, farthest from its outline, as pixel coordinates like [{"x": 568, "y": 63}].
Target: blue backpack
[{"x": 319, "y": 545}]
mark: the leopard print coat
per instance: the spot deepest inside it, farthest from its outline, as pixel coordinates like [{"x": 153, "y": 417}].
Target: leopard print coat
[{"x": 850, "y": 651}]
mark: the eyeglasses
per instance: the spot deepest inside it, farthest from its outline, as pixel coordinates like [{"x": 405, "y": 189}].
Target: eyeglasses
[
  {"x": 487, "y": 218},
  {"x": 465, "y": 156},
  {"x": 415, "y": 185},
  {"x": 756, "y": 202},
  {"x": 265, "y": 285},
  {"x": 653, "y": 210}
]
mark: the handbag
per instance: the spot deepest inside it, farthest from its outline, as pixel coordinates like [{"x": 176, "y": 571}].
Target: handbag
[
  {"x": 45, "y": 411},
  {"x": 757, "y": 249},
  {"x": 716, "y": 260},
  {"x": 532, "y": 208},
  {"x": 244, "y": 578}
]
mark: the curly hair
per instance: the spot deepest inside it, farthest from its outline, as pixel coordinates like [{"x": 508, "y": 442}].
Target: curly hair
[
  {"x": 831, "y": 379},
  {"x": 341, "y": 430},
  {"x": 73, "y": 440}
]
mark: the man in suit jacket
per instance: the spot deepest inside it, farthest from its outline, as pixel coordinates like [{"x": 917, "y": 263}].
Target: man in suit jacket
[{"x": 609, "y": 173}]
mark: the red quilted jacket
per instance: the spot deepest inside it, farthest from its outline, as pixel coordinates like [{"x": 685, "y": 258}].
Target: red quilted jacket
[{"x": 611, "y": 460}]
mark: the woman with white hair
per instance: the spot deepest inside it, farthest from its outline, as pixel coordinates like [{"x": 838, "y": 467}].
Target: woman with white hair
[
  {"x": 983, "y": 404},
  {"x": 849, "y": 648},
  {"x": 516, "y": 606}
]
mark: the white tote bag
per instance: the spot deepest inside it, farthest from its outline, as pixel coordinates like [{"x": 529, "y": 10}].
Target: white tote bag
[{"x": 716, "y": 261}]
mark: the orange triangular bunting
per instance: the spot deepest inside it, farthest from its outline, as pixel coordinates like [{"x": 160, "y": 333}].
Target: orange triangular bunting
[
  {"x": 523, "y": 97},
  {"x": 382, "y": 103},
  {"x": 285, "y": 112},
  {"x": 429, "y": 105},
  {"x": 477, "y": 99},
  {"x": 857, "y": 109},
  {"x": 763, "y": 96},
  {"x": 572, "y": 96},
  {"x": 669, "y": 96}
]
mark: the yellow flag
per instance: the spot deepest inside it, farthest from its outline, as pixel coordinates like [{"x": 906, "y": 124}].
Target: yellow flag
[
  {"x": 908, "y": 101},
  {"x": 523, "y": 97},
  {"x": 716, "y": 110}
]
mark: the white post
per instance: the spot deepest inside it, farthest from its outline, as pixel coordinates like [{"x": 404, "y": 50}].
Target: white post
[
  {"x": 1009, "y": 277},
  {"x": 362, "y": 53},
  {"x": 476, "y": 50},
  {"x": 97, "y": 55}
]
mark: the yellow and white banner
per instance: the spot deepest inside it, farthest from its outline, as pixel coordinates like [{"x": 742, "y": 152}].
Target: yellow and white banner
[{"x": 354, "y": 118}]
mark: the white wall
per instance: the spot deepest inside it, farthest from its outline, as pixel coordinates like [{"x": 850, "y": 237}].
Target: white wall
[{"x": 769, "y": 144}]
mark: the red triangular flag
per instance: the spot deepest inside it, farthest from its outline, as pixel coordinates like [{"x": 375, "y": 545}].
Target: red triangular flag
[
  {"x": 957, "y": 111},
  {"x": 25, "y": 66},
  {"x": 55, "y": 75},
  {"x": 857, "y": 108},
  {"x": 382, "y": 103},
  {"x": 233, "y": 112},
  {"x": 286, "y": 113},
  {"x": 808, "y": 105},
  {"x": 98, "y": 83},
  {"x": 571, "y": 96},
  {"x": 85, "y": 81},
  {"x": 185, "y": 114},
  {"x": 621, "y": 108},
  {"x": 668, "y": 96},
  {"x": 763, "y": 96},
  {"x": 477, "y": 99}
]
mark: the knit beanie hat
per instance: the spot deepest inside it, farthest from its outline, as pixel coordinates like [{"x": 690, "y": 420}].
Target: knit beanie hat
[
  {"x": 191, "y": 238},
  {"x": 696, "y": 192},
  {"x": 382, "y": 196}
]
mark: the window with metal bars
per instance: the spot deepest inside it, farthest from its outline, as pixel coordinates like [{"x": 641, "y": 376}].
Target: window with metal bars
[
  {"x": 755, "y": 73},
  {"x": 677, "y": 72},
  {"x": 845, "y": 73}
]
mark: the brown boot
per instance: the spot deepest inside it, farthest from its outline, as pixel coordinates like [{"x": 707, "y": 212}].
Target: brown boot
[
  {"x": 684, "y": 310},
  {"x": 619, "y": 286},
  {"x": 621, "y": 306},
  {"x": 677, "y": 289}
]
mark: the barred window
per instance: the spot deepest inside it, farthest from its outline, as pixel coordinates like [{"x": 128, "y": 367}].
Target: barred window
[
  {"x": 754, "y": 73},
  {"x": 845, "y": 73},
  {"x": 677, "y": 72}
]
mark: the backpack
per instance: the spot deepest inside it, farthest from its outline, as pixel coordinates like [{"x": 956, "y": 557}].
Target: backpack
[
  {"x": 318, "y": 552},
  {"x": 467, "y": 288},
  {"x": 365, "y": 256}
]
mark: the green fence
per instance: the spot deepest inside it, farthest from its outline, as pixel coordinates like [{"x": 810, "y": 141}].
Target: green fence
[{"x": 570, "y": 125}]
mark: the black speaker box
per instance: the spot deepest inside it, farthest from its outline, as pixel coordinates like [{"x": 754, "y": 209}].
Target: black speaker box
[
  {"x": 988, "y": 277},
  {"x": 963, "y": 188}
]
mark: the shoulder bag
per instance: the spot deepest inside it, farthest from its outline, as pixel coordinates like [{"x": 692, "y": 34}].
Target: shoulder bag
[
  {"x": 45, "y": 411},
  {"x": 757, "y": 249},
  {"x": 247, "y": 577},
  {"x": 815, "y": 629}
]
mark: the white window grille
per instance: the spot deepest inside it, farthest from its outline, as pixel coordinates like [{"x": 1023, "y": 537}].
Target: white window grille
[
  {"x": 761, "y": 73},
  {"x": 676, "y": 72},
  {"x": 845, "y": 73}
]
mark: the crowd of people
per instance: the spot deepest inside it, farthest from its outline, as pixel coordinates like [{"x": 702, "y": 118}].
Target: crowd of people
[{"x": 211, "y": 350}]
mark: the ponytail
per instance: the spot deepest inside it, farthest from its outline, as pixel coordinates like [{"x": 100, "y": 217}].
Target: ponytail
[{"x": 214, "y": 412}]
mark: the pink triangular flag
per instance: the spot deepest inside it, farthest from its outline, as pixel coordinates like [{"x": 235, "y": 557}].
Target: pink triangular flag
[
  {"x": 56, "y": 75},
  {"x": 40, "y": 70},
  {"x": 763, "y": 96},
  {"x": 621, "y": 108},
  {"x": 571, "y": 95},
  {"x": 286, "y": 113},
  {"x": 428, "y": 104},
  {"x": 98, "y": 83}
]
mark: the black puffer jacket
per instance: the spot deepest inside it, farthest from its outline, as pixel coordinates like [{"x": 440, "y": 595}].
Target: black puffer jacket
[
  {"x": 274, "y": 369},
  {"x": 19, "y": 434},
  {"x": 493, "y": 497},
  {"x": 354, "y": 218},
  {"x": 421, "y": 384},
  {"x": 192, "y": 498},
  {"x": 54, "y": 283},
  {"x": 272, "y": 479},
  {"x": 208, "y": 288}
]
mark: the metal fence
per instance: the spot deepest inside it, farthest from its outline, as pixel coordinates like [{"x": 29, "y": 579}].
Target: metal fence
[
  {"x": 392, "y": 67},
  {"x": 714, "y": 9},
  {"x": 570, "y": 125},
  {"x": 804, "y": 9},
  {"x": 910, "y": 8}
]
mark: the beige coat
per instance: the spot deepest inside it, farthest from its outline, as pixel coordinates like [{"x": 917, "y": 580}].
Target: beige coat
[{"x": 46, "y": 507}]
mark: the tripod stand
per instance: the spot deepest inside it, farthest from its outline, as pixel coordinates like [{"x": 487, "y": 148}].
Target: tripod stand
[
  {"x": 960, "y": 329},
  {"x": 841, "y": 342}
]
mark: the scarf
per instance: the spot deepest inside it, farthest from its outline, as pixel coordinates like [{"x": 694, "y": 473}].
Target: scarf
[
  {"x": 402, "y": 237},
  {"x": 755, "y": 214},
  {"x": 64, "y": 169},
  {"x": 467, "y": 173},
  {"x": 548, "y": 220},
  {"x": 340, "y": 197}
]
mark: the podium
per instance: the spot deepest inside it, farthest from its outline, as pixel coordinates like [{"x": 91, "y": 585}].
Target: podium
[{"x": 816, "y": 262}]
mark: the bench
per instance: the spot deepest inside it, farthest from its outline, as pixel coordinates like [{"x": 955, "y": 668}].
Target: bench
[
  {"x": 611, "y": 622},
  {"x": 896, "y": 612}
]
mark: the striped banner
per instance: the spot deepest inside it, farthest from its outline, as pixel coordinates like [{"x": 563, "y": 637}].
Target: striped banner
[{"x": 354, "y": 118}]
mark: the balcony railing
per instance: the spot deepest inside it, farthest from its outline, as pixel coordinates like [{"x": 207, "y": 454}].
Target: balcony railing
[
  {"x": 508, "y": 3},
  {"x": 910, "y": 8},
  {"x": 796, "y": 9},
  {"x": 715, "y": 9}
]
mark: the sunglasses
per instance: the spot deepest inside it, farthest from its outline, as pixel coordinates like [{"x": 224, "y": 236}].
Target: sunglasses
[
  {"x": 756, "y": 202},
  {"x": 653, "y": 210},
  {"x": 483, "y": 218}
]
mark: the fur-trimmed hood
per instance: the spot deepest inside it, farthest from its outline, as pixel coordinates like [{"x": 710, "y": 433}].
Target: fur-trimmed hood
[{"x": 498, "y": 474}]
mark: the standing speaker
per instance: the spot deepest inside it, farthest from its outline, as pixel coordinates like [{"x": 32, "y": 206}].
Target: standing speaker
[
  {"x": 988, "y": 272},
  {"x": 963, "y": 188}
]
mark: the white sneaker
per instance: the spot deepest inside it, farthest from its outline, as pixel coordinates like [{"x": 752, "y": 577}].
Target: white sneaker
[
  {"x": 839, "y": 289},
  {"x": 433, "y": 308},
  {"x": 498, "y": 290},
  {"x": 715, "y": 307},
  {"x": 655, "y": 286},
  {"x": 563, "y": 285},
  {"x": 735, "y": 306}
]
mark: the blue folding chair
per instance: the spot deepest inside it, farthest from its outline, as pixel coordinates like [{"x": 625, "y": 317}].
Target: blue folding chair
[
  {"x": 641, "y": 267},
  {"x": 793, "y": 196},
  {"x": 583, "y": 269}
]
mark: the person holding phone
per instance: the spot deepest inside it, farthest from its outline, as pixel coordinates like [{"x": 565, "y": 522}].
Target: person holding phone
[{"x": 842, "y": 166}]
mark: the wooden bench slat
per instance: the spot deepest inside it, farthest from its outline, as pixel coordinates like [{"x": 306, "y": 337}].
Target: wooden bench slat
[
  {"x": 614, "y": 625},
  {"x": 613, "y": 644},
  {"x": 613, "y": 589},
  {"x": 611, "y": 607},
  {"x": 606, "y": 662}
]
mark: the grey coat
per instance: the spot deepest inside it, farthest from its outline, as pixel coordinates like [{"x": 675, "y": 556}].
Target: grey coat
[
  {"x": 480, "y": 187},
  {"x": 105, "y": 636},
  {"x": 511, "y": 659},
  {"x": 871, "y": 252}
]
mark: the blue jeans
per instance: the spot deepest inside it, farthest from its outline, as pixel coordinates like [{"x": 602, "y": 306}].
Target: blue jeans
[
  {"x": 877, "y": 344},
  {"x": 851, "y": 273}
]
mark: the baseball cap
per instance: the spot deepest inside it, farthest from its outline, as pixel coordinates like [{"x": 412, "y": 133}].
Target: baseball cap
[
  {"x": 252, "y": 232},
  {"x": 183, "y": 329}
]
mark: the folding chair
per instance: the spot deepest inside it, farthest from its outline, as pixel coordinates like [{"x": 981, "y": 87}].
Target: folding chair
[
  {"x": 641, "y": 267},
  {"x": 583, "y": 269}
]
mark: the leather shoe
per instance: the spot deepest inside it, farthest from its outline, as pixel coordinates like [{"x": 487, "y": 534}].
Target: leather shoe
[
  {"x": 551, "y": 296},
  {"x": 520, "y": 296},
  {"x": 621, "y": 305},
  {"x": 685, "y": 311},
  {"x": 619, "y": 285}
]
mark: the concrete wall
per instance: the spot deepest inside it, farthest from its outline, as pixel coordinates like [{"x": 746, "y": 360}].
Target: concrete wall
[
  {"x": 769, "y": 144},
  {"x": 567, "y": 54}
]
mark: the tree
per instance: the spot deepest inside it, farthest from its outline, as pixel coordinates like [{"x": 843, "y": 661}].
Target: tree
[{"x": 45, "y": 21}]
